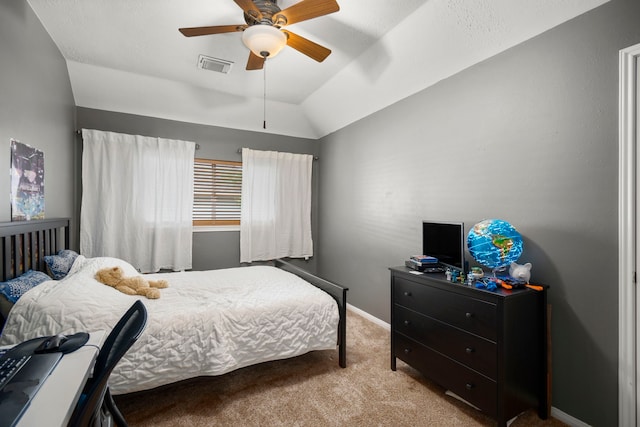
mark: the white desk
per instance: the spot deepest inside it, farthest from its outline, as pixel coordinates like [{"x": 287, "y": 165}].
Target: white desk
[{"x": 54, "y": 403}]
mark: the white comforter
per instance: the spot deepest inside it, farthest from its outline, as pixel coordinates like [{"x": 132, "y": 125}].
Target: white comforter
[{"x": 204, "y": 323}]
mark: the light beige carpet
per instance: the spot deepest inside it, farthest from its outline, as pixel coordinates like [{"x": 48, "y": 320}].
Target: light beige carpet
[{"x": 312, "y": 390}]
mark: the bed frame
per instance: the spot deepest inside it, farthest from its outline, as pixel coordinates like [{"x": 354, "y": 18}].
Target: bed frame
[
  {"x": 26, "y": 243},
  {"x": 338, "y": 293}
]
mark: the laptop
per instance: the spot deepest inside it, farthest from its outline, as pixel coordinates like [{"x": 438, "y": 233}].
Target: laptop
[{"x": 22, "y": 373}]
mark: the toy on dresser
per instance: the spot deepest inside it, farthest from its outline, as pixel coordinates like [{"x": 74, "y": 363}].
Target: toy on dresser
[
  {"x": 519, "y": 277},
  {"x": 520, "y": 272}
]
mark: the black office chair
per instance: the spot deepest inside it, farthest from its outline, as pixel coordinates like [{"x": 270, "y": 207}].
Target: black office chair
[{"x": 96, "y": 398}]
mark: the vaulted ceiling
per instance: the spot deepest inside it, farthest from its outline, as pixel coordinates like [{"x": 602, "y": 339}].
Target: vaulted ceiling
[{"x": 128, "y": 56}]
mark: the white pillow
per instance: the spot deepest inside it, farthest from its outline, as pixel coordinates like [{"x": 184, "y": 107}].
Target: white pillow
[{"x": 90, "y": 266}]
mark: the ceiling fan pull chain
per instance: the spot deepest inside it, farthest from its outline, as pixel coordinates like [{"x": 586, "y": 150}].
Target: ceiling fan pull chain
[{"x": 264, "y": 96}]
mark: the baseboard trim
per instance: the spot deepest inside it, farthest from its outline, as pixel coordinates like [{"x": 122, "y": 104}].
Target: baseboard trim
[
  {"x": 369, "y": 317},
  {"x": 567, "y": 419},
  {"x": 555, "y": 412}
]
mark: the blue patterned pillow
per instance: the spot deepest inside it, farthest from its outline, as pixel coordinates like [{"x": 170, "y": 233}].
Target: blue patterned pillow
[
  {"x": 15, "y": 288},
  {"x": 59, "y": 265}
]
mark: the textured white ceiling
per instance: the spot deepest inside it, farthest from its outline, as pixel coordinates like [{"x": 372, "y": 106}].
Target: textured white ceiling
[{"x": 128, "y": 56}]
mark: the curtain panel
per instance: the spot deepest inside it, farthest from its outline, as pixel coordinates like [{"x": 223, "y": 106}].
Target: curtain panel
[
  {"x": 275, "y": 219},
  {"x": 137, "y": 200}
]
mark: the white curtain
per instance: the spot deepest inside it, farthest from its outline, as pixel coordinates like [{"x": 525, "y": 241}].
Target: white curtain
[
  {"x": 275, "y": 219},
  {"x": 137, "y": 200}
]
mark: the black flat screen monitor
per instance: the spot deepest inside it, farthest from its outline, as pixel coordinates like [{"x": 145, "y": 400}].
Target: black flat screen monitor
[{"x": 444, "y": 241}]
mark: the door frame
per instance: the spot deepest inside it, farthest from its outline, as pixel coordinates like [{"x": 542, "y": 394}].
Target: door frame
[{"x": 628, "y": 164}]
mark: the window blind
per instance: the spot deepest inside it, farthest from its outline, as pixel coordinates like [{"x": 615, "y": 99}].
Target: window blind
[{"x": 217, "y": 192}]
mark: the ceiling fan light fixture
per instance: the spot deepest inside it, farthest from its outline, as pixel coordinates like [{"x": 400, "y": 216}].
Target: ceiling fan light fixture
[{"x": 264, "y": 40}]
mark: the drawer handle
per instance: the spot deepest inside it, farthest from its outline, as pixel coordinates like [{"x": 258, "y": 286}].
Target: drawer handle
[
  {"x": 468, "y": 315},
  {"x": 407, "y": 294},
  {"x": 407, "y": 350},
  {"x": 469, "y": 386},
  {"x": 470, "y": 350},
  {"x": 407, "y": 323}
]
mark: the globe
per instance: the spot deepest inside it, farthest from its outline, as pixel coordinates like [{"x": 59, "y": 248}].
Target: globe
[{"x": 494, "y": 243}]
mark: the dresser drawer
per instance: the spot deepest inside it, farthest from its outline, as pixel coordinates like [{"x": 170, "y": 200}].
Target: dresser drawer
[
  {"x": 466, "y": 383},
  {"x": 470, "y": 314},
  {"x": 470, "y": 350}
]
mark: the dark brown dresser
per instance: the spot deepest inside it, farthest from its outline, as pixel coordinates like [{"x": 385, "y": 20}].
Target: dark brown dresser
[{"x": 489, "y": 348}]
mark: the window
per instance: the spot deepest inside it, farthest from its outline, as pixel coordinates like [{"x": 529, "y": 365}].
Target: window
[{"x": 217, "y": 189}]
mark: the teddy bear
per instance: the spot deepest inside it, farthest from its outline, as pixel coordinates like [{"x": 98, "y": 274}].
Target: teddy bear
[
  {"x": 136, "y": 285},
  {"x": 520, "y": 272}
]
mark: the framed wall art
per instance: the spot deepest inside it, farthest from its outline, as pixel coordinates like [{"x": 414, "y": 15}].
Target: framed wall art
[{"x": 27, "y": 182}]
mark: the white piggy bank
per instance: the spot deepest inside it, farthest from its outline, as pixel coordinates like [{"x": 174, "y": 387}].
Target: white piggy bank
[{"x": 521, "y": 272}]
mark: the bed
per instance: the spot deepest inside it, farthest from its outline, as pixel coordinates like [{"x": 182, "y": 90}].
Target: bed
[{"x": 204, "y": 323}]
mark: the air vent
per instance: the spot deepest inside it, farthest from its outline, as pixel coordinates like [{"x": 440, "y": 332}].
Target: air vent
[{"x": 214, "y": 64}]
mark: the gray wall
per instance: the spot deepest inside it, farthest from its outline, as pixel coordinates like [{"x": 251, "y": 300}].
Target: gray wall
[
  {"x": 529, "y": 136},
  {"x": 36, "y": 106},
  {"x": 218, "y": 249}
]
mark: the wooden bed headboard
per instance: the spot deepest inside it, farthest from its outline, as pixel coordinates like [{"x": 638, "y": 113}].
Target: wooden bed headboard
[{"x": 26, "y": 243}]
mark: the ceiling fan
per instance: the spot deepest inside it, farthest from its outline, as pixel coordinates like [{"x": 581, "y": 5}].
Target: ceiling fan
[{"x": 263, "y": 33}]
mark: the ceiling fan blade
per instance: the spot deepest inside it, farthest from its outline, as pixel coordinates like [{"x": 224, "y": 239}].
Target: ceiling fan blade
[
  {"x": 217, "y": 29},
  {"x": 255, "y": 62},
  {"x": 308, "y": 9},
  {"x": 250, "y": 8},
  {"x": 306, "y": 46}
]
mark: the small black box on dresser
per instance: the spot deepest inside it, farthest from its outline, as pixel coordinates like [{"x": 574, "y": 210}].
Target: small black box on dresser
[{"x": 487, "y": 347}]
